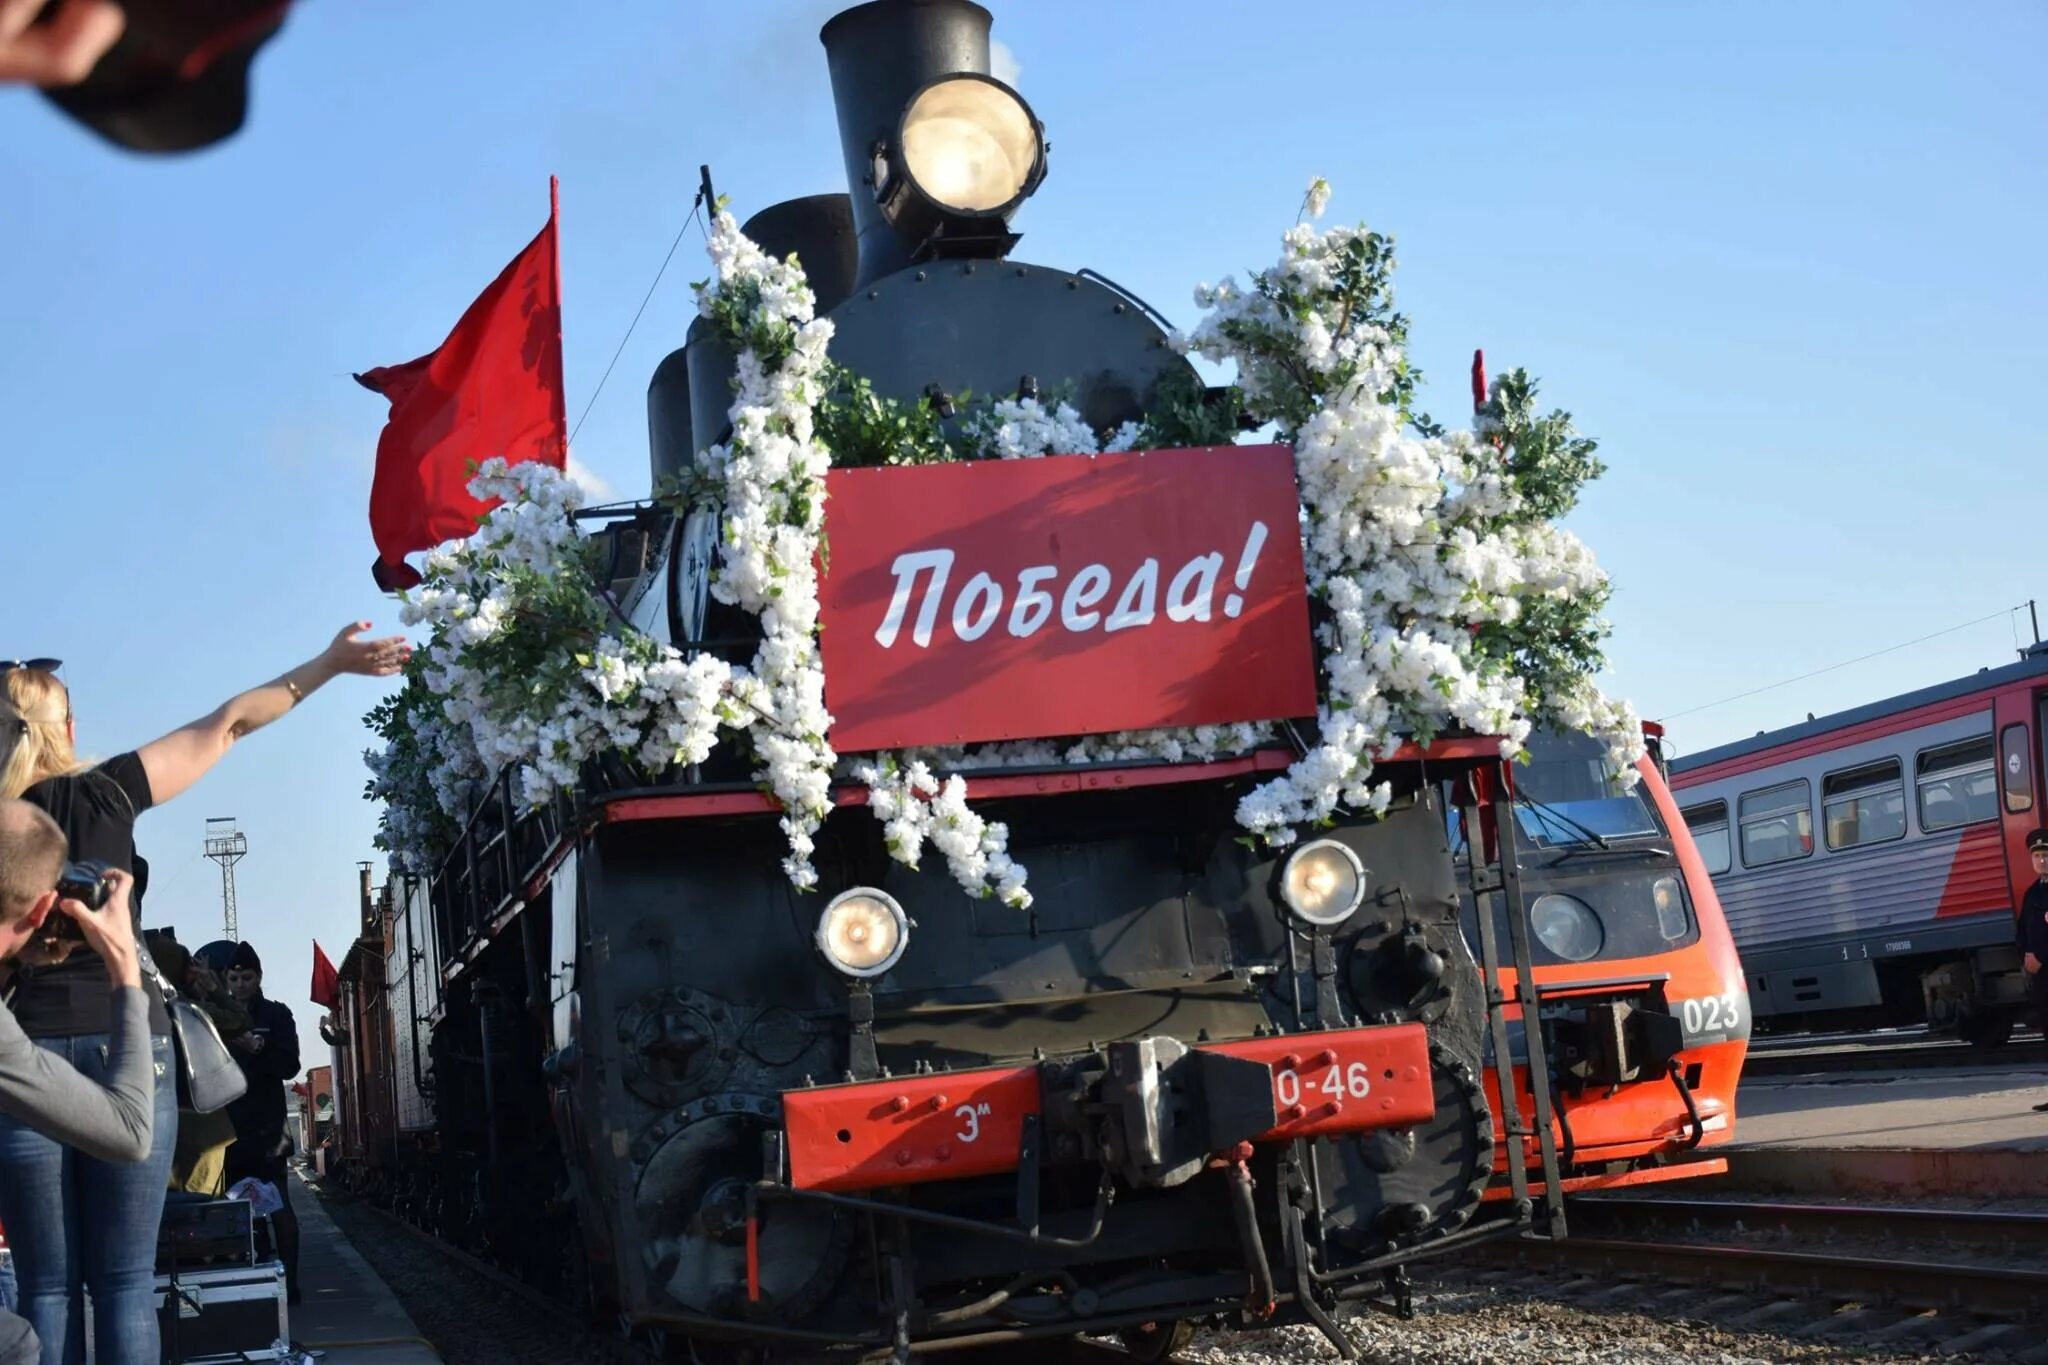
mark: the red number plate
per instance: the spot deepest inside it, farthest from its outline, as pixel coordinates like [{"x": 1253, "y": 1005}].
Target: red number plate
[{"x": 1344, "y": 1081}]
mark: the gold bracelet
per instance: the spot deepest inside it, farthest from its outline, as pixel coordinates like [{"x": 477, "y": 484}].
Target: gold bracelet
[{"x": 293, "y": 688}]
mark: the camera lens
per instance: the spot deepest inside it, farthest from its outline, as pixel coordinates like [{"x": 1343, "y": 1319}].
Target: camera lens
[{"x": 85, "y": 883}]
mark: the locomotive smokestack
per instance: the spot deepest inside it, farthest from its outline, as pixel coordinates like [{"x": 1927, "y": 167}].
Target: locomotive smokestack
[{"x": 934, "y": 166}]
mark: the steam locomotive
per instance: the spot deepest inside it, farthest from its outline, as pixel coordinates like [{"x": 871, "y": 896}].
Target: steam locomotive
[{"x": 1195, "y": 1081}]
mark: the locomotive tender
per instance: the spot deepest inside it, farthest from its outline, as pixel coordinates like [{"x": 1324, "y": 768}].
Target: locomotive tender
[{"x": 1194, "y": 1081}]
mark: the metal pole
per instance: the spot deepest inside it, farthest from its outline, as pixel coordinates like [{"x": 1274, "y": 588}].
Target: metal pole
[
  {"x": 2035, "y": 618},
  {"x": 1511, "y": 1129},
  {"x": 1526, "y": 994}
]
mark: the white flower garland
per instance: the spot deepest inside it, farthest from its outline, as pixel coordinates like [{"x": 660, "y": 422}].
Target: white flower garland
[
  {"x": 916, "y": 808},
  {"x": 1025, "y": 429},
  {"x": 1410, "y": 542},
  {"x": 598, "y": 690},
  {"x": 770, "y": 478}
]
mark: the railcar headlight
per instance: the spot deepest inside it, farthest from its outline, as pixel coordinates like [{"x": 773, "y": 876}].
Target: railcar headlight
[
  {"x": 1670, "y": 903},
  {"x": 1322, "y": 883},
  {"x": 863, "y": 932},
  {"x": 1567, "y": 926}
]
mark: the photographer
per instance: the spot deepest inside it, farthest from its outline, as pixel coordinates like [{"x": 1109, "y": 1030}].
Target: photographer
[
  {"x": 73, "y": 1222},
  {"x": 99, "y": 1103}
]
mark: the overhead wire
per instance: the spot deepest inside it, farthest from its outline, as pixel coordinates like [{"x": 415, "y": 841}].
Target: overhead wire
[
  {"x": 696, "y": 208},
  {"x": 1860, "y": 658}
]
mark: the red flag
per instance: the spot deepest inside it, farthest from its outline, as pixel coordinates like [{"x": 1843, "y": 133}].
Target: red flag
[
  {"x": 326, "y": 990},
  {"x": 494, "y": 387}
]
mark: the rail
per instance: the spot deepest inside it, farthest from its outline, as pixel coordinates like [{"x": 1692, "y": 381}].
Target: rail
[
  {"x": 1978, "y": 1227},
  {"x": 1907, "y": 1258},
  {"x": 1943, "y": 1286}
]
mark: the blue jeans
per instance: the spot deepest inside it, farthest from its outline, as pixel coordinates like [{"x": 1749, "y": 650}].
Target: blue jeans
[{"x": 73, "y": 1220}]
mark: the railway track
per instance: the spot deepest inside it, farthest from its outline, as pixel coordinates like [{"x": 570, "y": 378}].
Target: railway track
[
  {"x": 1990, "y": 1229},
  {"x": 1954, "y": 1280}
]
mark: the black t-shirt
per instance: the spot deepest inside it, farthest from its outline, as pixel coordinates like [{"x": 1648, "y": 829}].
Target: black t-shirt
[{"x": 96, "y": 809}]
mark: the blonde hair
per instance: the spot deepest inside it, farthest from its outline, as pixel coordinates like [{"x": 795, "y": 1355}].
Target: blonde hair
[{"x": 35, "y": 743}]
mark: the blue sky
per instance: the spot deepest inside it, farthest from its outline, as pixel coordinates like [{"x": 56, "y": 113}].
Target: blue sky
[{"x": 1782, "y": 260}]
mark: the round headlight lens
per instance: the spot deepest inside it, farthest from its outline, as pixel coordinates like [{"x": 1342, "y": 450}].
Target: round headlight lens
[
  {"x": 1567, "y": 926},
  {"x": 970, "y": 144},
  {"x": 1322, "y": 883},
  {"x": 1670, "y": 903},
  {"x": 863, "y": 932}
]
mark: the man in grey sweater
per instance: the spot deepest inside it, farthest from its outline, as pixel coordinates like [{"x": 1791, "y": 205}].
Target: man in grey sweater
[{"x": 111, "y": 1122}]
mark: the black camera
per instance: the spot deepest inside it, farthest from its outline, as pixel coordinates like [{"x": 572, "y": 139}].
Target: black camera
[{"x": 86, "y": 883}]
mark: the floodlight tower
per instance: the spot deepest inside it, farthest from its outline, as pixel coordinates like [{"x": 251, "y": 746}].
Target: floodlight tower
[{"x": 226, "y": 845}]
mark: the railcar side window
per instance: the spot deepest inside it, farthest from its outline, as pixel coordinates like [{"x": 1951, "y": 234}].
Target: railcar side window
[
  {"x": 1709, "y": 826},
  {"x": 1958, "y": 785},
  {"x": 1777, "y": 824},
  {"x": 2016, "y": 773},
  {"x": 1865, "y": 805}
]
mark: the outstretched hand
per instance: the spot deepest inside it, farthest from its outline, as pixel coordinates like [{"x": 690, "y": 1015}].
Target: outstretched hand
[
  {"x": 62, "y": 50},
  {"x": 369, "y": 658}
]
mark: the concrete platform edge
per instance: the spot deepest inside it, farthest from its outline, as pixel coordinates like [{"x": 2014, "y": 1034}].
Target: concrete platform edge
[{"x": 1890, "y": 1171}]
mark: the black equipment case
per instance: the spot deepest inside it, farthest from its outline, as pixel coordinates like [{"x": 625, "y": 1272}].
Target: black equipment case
[
  {"x": 201, "y": 1233},
  {"x": 214, "y": 1317}
]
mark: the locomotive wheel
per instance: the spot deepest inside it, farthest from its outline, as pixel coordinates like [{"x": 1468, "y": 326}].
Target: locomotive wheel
[
  {"x": 1407, "y": 1187},
  {"x": 695, "y": 1170},
  {"x": 1156, "y": 1341}
]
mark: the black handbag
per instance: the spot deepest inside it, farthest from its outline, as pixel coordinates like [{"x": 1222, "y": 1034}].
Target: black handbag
[{"x": 209, "y": 1077}]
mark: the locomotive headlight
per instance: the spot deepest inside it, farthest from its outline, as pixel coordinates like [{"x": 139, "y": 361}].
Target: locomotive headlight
[
  {"x": 1322, "y": 883},
  {"x": 968, "y": 147},
  {"x": 863, "y": 932},
  {"x": 971, "y": 144},
  {"x": 1567, "y": 926}
]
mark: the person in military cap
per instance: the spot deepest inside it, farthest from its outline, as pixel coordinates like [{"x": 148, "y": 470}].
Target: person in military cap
[
  {"x": 269, "y": 1056},
  {"x": 2033, "y": 933}
]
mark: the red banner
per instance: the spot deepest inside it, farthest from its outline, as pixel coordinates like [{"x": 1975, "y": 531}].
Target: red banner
[{"x": 1070, "y": 595}]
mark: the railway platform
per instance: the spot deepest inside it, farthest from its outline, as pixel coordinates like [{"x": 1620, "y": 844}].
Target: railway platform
[
  {"x": 1961, "y": 1130},
  {"x": 350, "y": 1316}
]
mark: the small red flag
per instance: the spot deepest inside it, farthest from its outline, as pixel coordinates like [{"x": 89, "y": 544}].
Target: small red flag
[
  {"x": 1478, "y": 381},
  {"x": 493, "y": 388},
  {"x": 326, "y": 990}
]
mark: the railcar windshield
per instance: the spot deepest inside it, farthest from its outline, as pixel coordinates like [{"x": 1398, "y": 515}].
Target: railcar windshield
[
  {"x": 1565, "y": 797},
  {"x": 1570, "y": 798}
]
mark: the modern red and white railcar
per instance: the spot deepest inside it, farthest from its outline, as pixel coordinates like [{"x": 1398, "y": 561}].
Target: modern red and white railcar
[
  {"x": 1645, "y": 1017},
  {"x": 1901, "y": 911}
]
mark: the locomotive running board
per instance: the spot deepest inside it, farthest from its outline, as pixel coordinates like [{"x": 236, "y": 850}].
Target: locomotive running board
[{"x": 914, "y": 1129}]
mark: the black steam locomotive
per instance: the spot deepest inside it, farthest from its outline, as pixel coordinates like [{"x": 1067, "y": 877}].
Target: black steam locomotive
[{"x": 1194, "y": 1081}]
